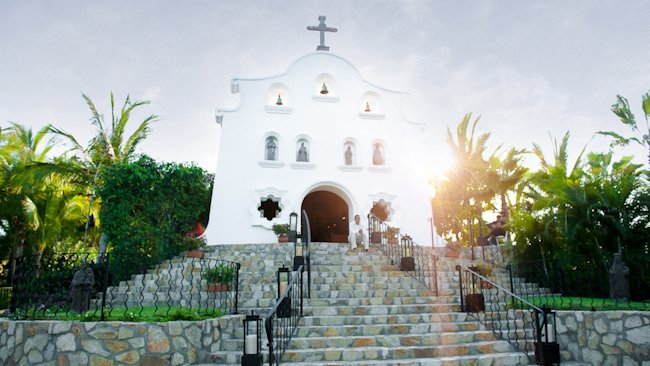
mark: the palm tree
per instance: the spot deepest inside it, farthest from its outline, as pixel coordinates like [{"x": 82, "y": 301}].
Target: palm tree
[
  {"x": 110, "y": 144},
  {"x": 622, "y": 110},
  {"x": 505, "y": 174},
  {"x": 21, "y": 151}
]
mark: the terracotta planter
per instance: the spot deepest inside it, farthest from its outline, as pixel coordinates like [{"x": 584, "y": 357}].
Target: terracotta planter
[
  {"x": 217, "y": 287},
  {"x": 194, "y": 254},
  {"x": 283, "y": 239}
]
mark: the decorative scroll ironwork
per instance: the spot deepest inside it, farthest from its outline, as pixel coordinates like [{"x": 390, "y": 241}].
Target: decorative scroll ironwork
[
  {"x": 577, "y": 283},
  {"x": 400, "y": 248},
  {"x": 528, "y": 328},
  {"x": 280, "y": 328},
  {"x": 44, "y": 288}
]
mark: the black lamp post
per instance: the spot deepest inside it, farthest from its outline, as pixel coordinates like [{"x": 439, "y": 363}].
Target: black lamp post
[
  {"x": 252, "y": 341},
  {"x": 407, "y": 263},
  {"x": 299, "y": 250},
  {"x": 547, "y": 350},
  {"x": 299, "y": 254},
  {"x": 282, "y": 276},
  {"x": 293, "y": 226}
]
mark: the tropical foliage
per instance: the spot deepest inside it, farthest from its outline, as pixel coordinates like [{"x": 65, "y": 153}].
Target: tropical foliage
[
  {"x": 564, "y": 213},
  {"x": 50, "y": 202},
  {"x": 147, "y": 208}
]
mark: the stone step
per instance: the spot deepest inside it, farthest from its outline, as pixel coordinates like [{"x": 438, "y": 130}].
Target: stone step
[
  {"x": 499, "y": 359},
  {"x": 396, "y": 353},
  {"x": 383, "y": 309},
  {"x": 314, "y": 343}
]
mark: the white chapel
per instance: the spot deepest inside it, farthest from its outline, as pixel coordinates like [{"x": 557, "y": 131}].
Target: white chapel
[{"x": 319, "y": 138}]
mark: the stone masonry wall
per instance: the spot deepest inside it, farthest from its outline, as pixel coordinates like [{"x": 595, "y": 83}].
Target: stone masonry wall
[
  {"x": 605, "y": 338},
  {"x": 72, "y": 343}
]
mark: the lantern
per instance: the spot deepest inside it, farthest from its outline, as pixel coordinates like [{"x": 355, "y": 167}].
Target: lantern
[
  {"x": 282, "y": 276},
  {"x": 547, "y": 350},
  {"x": 293, "y": 226},
  {"x": 252, "y": 341},
  {"x": 407, "y": 262}
]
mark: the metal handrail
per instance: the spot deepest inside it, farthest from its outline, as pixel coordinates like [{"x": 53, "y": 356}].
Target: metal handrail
[
  {"x": 520, "y": 314},
  {"x": 280, "y": 330},
  {"x": 424, "y": 262},
  {"x": 306, "y": 237}
]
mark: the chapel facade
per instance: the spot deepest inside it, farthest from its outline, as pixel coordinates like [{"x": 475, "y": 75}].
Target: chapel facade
[{"x": 318, "y": 138}]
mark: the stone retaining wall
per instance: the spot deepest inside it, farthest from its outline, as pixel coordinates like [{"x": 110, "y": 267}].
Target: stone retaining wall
[
  {"x": 72, "y": 343},
  {"x": 605, "y": 338}
]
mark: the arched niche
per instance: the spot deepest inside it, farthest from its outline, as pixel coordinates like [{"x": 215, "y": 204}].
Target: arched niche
[
  {"x": 325, "y": 85},
  {"x": 271, "y": 147},
  {"x": 379, "y": 156},
  {"x": 279, "y": 99},
  {"x": 303, "y": 151},
  {"x": 371, "y": 106}
]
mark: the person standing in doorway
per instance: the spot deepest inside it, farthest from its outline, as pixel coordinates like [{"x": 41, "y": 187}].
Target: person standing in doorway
[{"x": 358, "y": 234}]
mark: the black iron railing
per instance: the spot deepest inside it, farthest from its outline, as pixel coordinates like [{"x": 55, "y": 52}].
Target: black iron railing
[
  {"x": 306, "y": 238},
  {"x": 72, "y": 285},
  {"x": 419, "y": 262},
  {"x": 577, "y": 283},
  {"x": 528, "y": 328},
  {"x": 5, "y": 297},
  {"x": 282, "y": 320}
]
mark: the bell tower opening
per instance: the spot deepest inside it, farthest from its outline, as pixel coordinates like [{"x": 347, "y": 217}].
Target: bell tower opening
[{"x": 328, "y": 216}]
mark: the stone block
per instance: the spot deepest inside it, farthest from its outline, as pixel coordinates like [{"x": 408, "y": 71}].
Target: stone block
[
  {"x": 61, "y": 327},
  {"x": 633, "y": 322},
  {"x": 157, "y": 340},
  {"x": 125, "y": 332},
  {"x": 116, "y": 346},
  {"x": 639, "y": 335},
  {"x": 96, "y": 360},
  {"x": 130, "y": 358},
  {"x": 66, "y": 343},
  {"x": 36, "y": 341},
  {"x": 94, "y": 347},
  {"x": 80, "y": 358},
  {"x": 34, "y": 356},
  {"x": 600, "y": 325},
  {"x": 137, "y": 342}
]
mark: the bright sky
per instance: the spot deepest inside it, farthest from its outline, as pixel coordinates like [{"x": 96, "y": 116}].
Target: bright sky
[{"x": 529, "y": 68}]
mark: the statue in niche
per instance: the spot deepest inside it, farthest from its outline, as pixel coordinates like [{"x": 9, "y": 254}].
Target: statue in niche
[
  {"x": 271, "y": 147},
  {"x": 302, "y": 153},
  {"x": 377, "y": 156},
  {"x": 348, "y": 156},
  {"x": 81, "y": 286}
]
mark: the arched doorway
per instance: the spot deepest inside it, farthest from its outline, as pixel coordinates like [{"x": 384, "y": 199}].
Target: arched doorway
[{"x": 328, "y": 216}]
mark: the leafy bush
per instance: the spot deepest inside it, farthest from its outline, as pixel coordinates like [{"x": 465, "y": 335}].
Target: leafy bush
[{"x": 147, "y": 208}]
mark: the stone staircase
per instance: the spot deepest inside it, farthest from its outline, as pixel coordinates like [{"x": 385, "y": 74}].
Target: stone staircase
[{"x": 364, "y": 311}]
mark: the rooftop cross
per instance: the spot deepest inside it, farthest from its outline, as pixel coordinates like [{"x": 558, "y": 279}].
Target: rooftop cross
[{"x": 322, "y": 28}]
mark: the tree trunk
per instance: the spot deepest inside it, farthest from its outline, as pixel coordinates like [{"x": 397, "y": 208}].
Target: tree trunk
[
  {"x": 103, "y": 242},
  {"x": 19, "y": 241}
]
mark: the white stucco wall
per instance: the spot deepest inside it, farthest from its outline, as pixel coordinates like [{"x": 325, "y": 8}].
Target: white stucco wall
[{"x": 327, "y": 122}]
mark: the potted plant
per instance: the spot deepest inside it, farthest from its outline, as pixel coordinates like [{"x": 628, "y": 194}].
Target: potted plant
[
  {"x": 391, "y": 234},
  {"x": 281, "y": 231},
  {"x": 193, "y": 246},
  {"x": 452, "y": 249},
  {"x": 485, "y": 270},
  {"x": 219, "y": 277}
]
